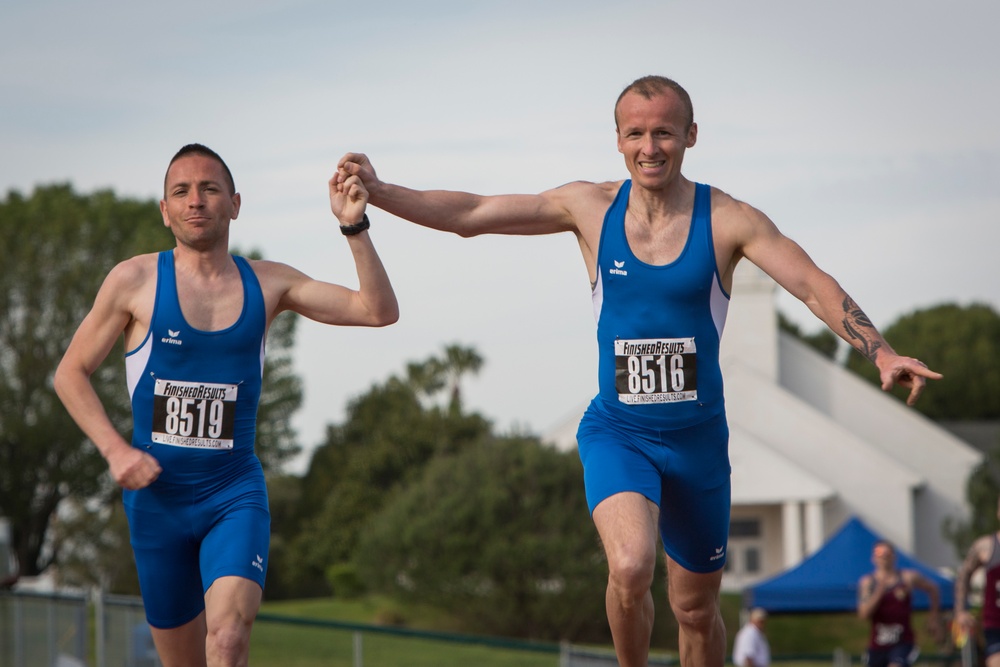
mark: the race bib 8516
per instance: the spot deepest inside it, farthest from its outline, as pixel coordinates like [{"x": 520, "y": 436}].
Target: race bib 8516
[
  {"x": 656, "y": 370},
  {"x": 194, "y": 414}
]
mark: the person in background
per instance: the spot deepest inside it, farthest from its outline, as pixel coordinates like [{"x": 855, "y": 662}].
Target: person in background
[
  {"x": 984, "y": 554},
  {"x": 885, "y": 597},
  {"x": 750, "y": 647}
]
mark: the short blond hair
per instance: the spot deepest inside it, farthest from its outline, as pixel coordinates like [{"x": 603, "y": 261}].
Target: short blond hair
[{"x": 653, "y": 86}]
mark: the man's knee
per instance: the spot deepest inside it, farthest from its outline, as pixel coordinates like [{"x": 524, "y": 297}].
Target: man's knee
[
  {"x": 230, "y": 638},
  {"x": 694, "y": 598},
  {"x": 632, "y": 571},
  {"x": 696, "y": 612}
]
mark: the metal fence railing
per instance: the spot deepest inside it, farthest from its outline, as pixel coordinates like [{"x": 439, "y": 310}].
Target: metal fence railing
[
  {"x": 43, "y": 630},
  {"x": 100, "y": 630},
  {"x": 122, "y": 636},
  {"x": 55, "y": 630}
]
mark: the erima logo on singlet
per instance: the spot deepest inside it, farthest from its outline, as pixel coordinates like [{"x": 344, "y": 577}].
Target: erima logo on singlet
[
  {"x": 618, "y": 270},
  {"x": 173, "y": 340}
]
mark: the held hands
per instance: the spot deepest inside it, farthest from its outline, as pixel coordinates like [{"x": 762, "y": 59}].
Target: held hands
[
  {"x": 348, "y": 197},
  {"x": 358, "y": 164},
  {"x": 906, "y": 372}
]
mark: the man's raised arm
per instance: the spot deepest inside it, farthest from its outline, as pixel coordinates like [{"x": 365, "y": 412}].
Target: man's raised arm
[
  {"x": 462, "y": 213},
  {"x": 760, "y": 241}
]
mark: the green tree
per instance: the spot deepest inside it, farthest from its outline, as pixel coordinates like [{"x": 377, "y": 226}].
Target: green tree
[
  {"x": 499, "y": 531},
  {"x": 388, "y": 436},
  {"x": 92, "y": 542},
  {"x": 56, "y": 247},
  {"x": 284, "y": 495},
  {"x": 280, "y": 394},
  {"x": 427, "y": 378},
  {"x": 981, "y": 490},
  {"x": 459, "y": 362},
  {"x": 963, "y": 343}
]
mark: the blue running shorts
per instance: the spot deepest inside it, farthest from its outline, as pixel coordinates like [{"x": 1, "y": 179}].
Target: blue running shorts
[
  {"x": 685, "y": 471},
  {"x": 184, "y": 537}
]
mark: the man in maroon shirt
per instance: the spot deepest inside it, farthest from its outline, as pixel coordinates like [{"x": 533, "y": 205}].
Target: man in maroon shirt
[{"x": 886, "y": 597}]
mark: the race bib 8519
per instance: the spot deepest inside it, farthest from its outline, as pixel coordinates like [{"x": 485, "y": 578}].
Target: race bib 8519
[
  {"x": 656, "y": 370},
  {"x": 194, "y": 414}
]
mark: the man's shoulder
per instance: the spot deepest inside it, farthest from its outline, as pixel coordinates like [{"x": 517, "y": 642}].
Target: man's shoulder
[
  {"x": 129, "y": 284},
  {"x": 725, "y": 205},
  {"x": 265, "y": 267},
  {"x": 585, "y": 203},
  {"x": 136, "y": 270},
  {"x": 274, "y": 275}
]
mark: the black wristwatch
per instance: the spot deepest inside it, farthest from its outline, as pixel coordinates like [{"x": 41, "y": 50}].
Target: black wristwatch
[{"x": 357, "y": 227}]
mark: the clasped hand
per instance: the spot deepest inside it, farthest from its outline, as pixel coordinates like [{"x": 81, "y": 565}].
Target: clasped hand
[{"x": 348, "y": 197}]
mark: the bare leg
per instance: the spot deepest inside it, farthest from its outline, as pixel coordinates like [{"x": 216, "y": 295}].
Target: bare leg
[
  {"x": 626, "y": 523},
  {"x": 183, "y": 646},
  {"x": 694, "y": 599},
  {"x": 231, "y": 605}
]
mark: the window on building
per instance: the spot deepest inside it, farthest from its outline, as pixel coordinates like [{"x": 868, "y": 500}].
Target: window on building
[{"x": 744, "y": 528}]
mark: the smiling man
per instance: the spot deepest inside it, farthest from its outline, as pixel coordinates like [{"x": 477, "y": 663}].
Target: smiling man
[{"x": 660, "y": 251}]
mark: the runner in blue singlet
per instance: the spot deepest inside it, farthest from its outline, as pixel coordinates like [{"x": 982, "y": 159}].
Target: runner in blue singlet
[
  {"x": 195, "y": 321},
  {"x": 660, "y": 251},
  {"x": 658, "y": 427}
]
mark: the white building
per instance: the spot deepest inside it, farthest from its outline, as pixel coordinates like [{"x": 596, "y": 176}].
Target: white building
[{"x": 811, "y": 444}]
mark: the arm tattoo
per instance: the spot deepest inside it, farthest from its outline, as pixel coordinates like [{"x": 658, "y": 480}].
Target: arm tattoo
[{"x": 860, "y": 328}]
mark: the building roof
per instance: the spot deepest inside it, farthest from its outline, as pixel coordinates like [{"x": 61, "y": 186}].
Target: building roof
[{"x": 764, "y": 476}]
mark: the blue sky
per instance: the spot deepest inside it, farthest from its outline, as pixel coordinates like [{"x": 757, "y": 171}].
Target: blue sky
[{"x": 866, "y": 130}]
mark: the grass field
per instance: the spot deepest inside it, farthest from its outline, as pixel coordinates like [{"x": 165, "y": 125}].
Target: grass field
[
  {"x": 276, "y": 643},
  {"x": 291, "y": 646},
  {"x": 797, "y": 640}
]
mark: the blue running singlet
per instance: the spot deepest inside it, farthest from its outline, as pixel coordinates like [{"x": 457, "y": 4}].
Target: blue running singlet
[
  {"x": 659, "y": 327},
  {"x": 194, "y": 408},
  {"x": 657, "y": 426},
  {"x": 195, "y": 393}
]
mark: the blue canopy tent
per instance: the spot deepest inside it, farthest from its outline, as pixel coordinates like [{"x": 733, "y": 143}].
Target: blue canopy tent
[{"x": 828, "y": 580}]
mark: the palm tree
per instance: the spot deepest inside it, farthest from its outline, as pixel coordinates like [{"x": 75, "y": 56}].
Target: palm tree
[
  {"x": 458, "y": 361},
  {"x": 425, "y": 378}
]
